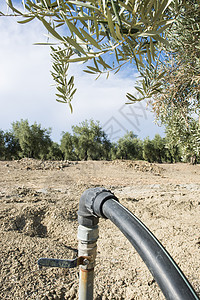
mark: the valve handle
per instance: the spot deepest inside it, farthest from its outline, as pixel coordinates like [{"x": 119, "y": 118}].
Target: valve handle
[{"x": 63, "y": 263}]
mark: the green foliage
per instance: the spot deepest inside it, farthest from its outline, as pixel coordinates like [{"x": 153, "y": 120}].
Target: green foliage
[
  {"x": 185, "y": 134},
  {"x": 104, "y": 34},
  {"x": 9, "y": 146},
  {"x": 90, "y": 141},
  {"x": 148, "y": 151},
  {"x": 65, "y": 88},
  {"x": 33, "y": 140},
  {"x": 12, "y": 146},
  {"x": 177, "y": 101},
  {"x": 174, "y": 153},
  {"x": 178, "y": 89},
  {"x": 155, "y": 150},
  {"x": 129, "y": 147},
  {"x": 67, "y": 147},
  {"x": 54, "y": 152},
  {"x": 113, "y": 150},
  {"x": 2, "y": 145}
]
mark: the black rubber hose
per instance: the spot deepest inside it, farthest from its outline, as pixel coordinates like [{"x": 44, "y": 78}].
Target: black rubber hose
[{"x": 169, "y": 277}]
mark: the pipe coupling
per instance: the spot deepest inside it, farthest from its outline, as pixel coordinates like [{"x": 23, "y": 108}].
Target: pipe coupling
[
  {"x": 87, "y": 245},
  {"x": 90, "y": 205}
]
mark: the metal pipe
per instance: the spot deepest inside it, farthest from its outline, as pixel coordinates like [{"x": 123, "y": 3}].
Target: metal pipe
[
  {"x": 87, "y": 247},
  {"x": 86, "y": 283}
]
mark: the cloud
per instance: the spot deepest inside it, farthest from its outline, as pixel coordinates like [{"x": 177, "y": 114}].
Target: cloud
[{"x": 26, "y": 89}]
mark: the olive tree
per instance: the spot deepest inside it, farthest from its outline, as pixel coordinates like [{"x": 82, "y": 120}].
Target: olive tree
[
  {"x": 34, "y": 141},
  {"x": 155, "y": 150},
  {"x": 90, "y": 141},
  {"x": 185, "y": 137},
  {"x": 105, "y": 35},
  {"x": 129, "y": 147},
  {"x": 177, "y": 103},
  {"x": 67, "y": 146}
]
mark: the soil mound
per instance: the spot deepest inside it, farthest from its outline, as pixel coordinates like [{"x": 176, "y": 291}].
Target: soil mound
[
  {"x": 141, "y": 166},
  {"x": 34, "y": 164}
]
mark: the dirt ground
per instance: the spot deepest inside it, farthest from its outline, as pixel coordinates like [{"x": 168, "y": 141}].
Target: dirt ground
[{"x": 38, "y": 218}]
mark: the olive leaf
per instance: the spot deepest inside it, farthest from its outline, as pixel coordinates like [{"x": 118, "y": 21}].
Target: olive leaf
[{"x": 105, "y": 34}]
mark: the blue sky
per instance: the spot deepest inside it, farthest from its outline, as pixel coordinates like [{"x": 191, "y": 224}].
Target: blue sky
[{"x": 27, "y": 91}]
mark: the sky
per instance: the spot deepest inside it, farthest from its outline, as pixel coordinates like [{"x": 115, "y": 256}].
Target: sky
[{"x": 27, "y": 89}]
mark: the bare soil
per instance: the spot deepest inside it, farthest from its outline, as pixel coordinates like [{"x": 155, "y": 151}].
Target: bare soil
[{"x": 38, "y": 218}]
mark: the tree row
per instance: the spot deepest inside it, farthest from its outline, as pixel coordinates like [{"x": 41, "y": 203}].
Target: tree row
[{"x": 88, "y": 141}]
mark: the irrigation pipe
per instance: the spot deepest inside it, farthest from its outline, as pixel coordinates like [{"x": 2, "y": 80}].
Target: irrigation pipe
[{"x": 98, "y": 202}]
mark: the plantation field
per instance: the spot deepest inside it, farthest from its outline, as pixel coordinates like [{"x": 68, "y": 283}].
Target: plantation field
[{"x": 38, "y": 218}]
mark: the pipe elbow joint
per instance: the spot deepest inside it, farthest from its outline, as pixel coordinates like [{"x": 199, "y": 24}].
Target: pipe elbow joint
[{"x": 90, "y": 205}]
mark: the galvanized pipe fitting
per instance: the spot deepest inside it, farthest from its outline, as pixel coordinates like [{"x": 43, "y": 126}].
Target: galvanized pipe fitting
[{"x": 87, "y": 247}]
